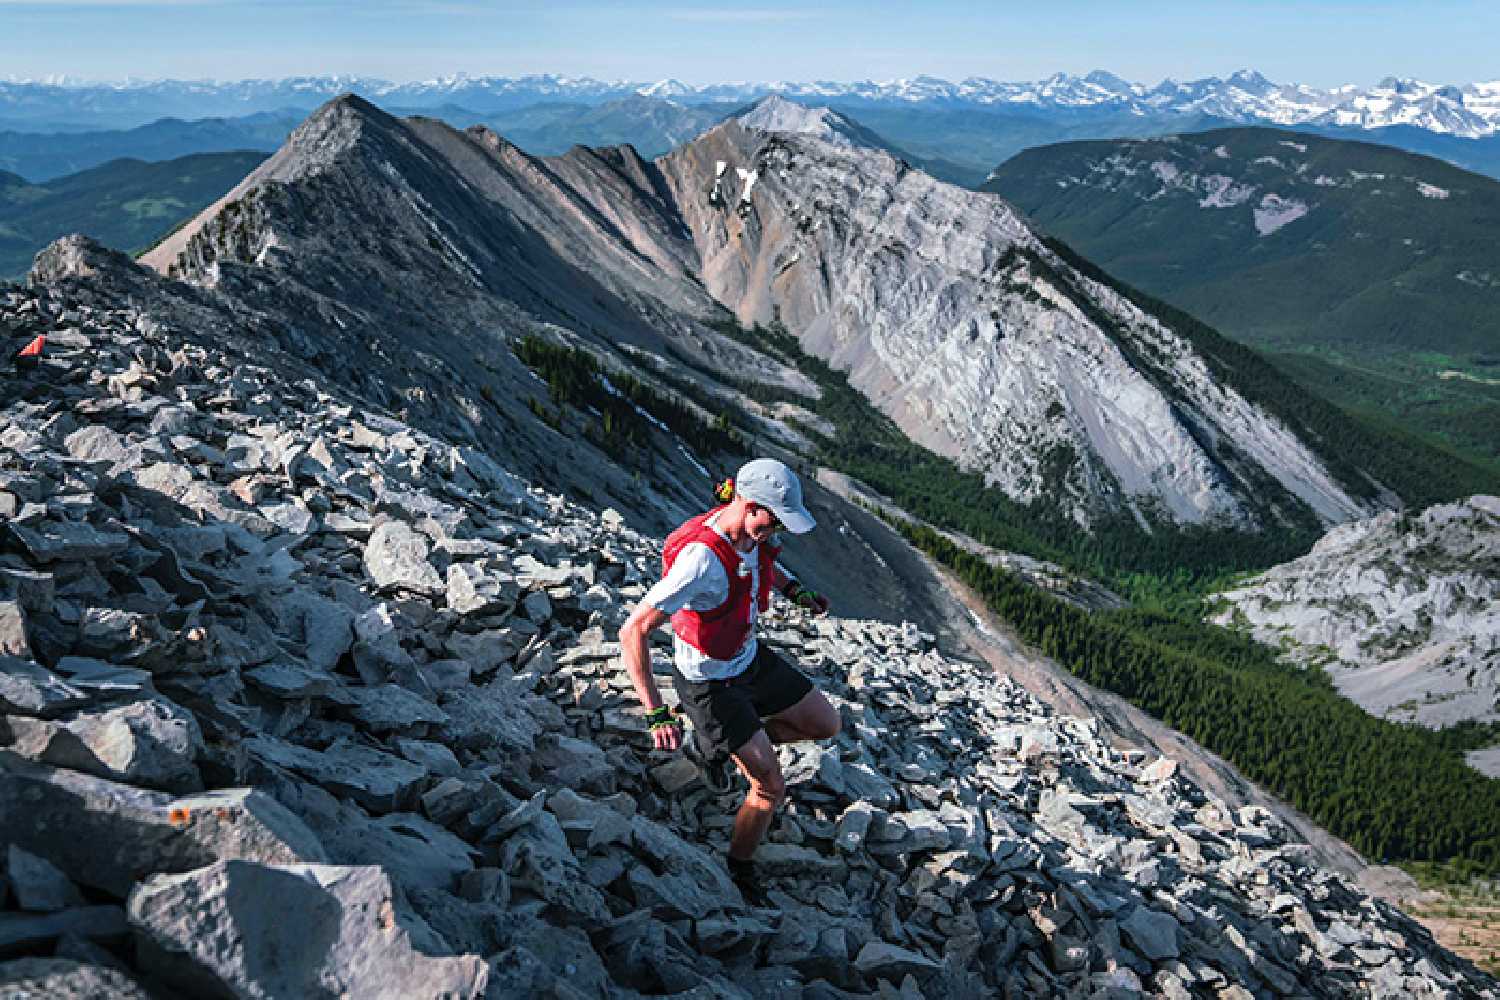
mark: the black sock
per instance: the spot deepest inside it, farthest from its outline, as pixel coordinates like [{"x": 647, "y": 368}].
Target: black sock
[{"x": 741, "y": 867}]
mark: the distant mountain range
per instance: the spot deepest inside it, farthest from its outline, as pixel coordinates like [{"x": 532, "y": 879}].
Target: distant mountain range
[
  {"x": 39, "y": 157},
  {"x": 1470, "y": 110}
]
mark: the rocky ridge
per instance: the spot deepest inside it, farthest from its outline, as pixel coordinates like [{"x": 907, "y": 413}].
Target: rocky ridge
[
  {"x": 1401, "y": 610},
  {"x": 940, "y": 303},
  {"x": 298, "y": 698}
]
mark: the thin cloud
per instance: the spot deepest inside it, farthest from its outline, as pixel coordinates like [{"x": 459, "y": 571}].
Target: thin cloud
[
  {"x": 60, "y": 4},
  {"x": 709, "y": 15}
]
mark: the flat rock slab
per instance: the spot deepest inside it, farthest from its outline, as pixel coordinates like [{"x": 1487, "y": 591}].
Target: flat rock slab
[
  {"x": 65, "y": 979},
  {"x": 241, "y": 929},
  {"x": 70, "y": 542},
  {"x": 1151, "y": 933},
  {"x": 380, "y": 782},
  {"x": 31, "y": 931},
  {"x": 389, "y": 708},
  {"x": 888, "y": 961},
  {"x": 27, "y": 688},
  {"x": 108, "y": 836}
]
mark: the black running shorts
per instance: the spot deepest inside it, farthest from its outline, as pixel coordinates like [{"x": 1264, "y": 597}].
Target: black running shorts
[{"x": 727, "y": 713}]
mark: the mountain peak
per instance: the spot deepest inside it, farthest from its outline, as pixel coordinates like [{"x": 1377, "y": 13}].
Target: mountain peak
[
  {"x": 665, "y": 88},
  {"x": 1251, "y": 81},
  {"x": 775, "y": 113},
  {"x": 1109, "y": 81}
]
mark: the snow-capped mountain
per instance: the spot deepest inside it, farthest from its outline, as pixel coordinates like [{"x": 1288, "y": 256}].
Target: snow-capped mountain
[{"x": 1470, "y": 110}]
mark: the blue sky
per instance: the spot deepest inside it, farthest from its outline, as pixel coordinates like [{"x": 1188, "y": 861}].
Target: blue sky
[{"x": 1316, "y": 43}]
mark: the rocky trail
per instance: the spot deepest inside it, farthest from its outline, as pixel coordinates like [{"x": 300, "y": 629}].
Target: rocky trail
[{"x": 298, "y": 700}]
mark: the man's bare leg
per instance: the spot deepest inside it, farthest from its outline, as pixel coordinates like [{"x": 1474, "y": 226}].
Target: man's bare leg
[
  {"x": 812, "y": 718},
  {"x": 757, "y": 761}
]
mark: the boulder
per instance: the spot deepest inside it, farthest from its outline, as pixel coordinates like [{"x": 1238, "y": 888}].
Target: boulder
[
  {"x": 387, "y": 708},
  {"x": 13, "y": 640},
  {"x": 472, "y": 591},
  {"x": 152, "y": 742},
  {"x": 494, "y": 715},
  {"x": 108, "y": 836},
  {"x": 882, "y": 960},
  {"x": 238, "y": 928},
  {"x": 379, "y": 781},
  {"x": 1151, "y": 933}
]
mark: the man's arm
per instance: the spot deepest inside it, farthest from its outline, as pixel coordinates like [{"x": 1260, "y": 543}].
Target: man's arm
[{"x": 635, "y": 650}]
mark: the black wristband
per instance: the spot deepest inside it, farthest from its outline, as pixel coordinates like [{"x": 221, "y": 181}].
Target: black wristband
[{"x": 659, "y": 716}]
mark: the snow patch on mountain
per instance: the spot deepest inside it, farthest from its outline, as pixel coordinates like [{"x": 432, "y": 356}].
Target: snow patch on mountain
[
  {"x": 1223, "y": 192},
  {"x": 1274, "y": 211}
]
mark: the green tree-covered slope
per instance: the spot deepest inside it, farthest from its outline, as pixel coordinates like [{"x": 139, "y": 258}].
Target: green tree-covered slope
[
  {"x": 126, "y": 204},
  {"x": 1372, "y": 273}
]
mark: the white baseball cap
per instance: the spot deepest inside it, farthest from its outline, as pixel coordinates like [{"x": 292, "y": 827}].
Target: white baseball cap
[{"x": 771, "y": 484}]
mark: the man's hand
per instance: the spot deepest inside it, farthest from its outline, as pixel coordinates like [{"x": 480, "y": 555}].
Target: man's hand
[
  {"x": 666, "y": 730},
  {"x": 806, "y": 597}
]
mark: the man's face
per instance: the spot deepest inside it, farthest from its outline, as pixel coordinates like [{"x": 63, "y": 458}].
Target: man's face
[{"x": 761, "y": 523}]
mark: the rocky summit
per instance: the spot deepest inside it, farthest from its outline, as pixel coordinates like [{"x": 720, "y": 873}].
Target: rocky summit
[{"x": 299, "y": 699}]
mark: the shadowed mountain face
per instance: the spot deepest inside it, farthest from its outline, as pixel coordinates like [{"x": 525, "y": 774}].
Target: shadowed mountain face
[{"x": 940, "y": 303}]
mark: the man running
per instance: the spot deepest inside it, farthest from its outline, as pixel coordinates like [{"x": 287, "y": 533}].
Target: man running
[{"x": 740, "y": 696}]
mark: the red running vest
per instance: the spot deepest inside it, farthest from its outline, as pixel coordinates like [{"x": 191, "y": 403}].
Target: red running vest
[{"x": 722, "y": 631}]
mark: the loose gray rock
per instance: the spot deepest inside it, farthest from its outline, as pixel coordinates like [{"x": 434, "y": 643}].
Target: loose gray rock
[
  {"x": 472, "y": 591},
  {"x": 13, "y": 640},
  {"x": 880, "y": 959},
  {"x": 38, "y": 884},
  {"x": 396, "y": 559},
  {"x": 245, "y": 929},
  {"x": 390, "y": 708},
  {"x": 29, "y": 689},
  {"x": 65, "y": 979},
  {"x": 1151, "y": 933},
  {"x": 380, "y": 782},
  {"x": 434, "y": 757}
]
